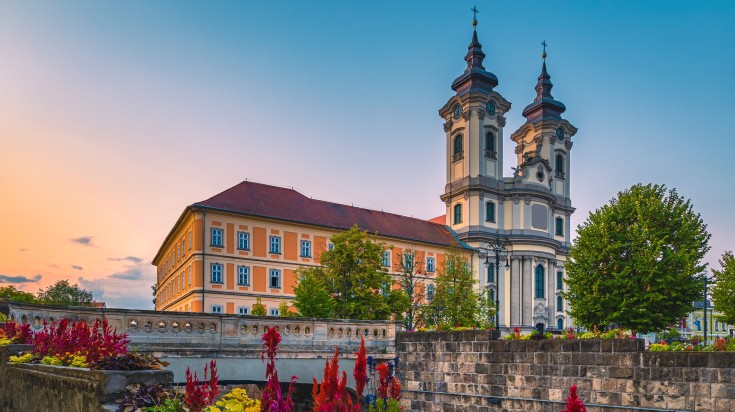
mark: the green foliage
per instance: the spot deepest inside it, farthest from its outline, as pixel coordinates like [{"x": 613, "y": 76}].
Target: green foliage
[
  {"x": 723, "y": 292},
  {"x": 168, "y": 405},
  {"x": 258, "y": 308},
  {"x": 21, "y": 358},
  {"x": 382, "y": 405},
  {"x": 636, "y": 261},
  {"x": 312, "y": 299},
  {"x": 456, "y": 303},
  {"x": 11, "y": 293},
  {"x": 411, "y": 279},
  {"x": 353, "y": 274},
  {"x": 671, "y": 333},
  {"x": 3, "y": 318},
  {"x": 236, "y": 401},
  {"x": 64, "y": 294},
  {"x": 283, "y": 310}
]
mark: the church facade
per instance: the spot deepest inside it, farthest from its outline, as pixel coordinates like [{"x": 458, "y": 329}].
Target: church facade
[{"x": 248, "y": 241}]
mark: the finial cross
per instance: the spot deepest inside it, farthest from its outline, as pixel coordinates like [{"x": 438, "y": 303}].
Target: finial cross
[
  {"x": 543, "y": 43},
  {"x": 474, "y": 12}
]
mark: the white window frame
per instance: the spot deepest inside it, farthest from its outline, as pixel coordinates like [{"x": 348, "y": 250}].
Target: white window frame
[
  {"x": 274, "y": 273},
  {"x": 274, "y": 312},
  {"x": 216, "y": 233},
  {"x": 243, "y": 271},
  {"x": 386, "y": 258},
  {"x": 306, "y": 248},
  {"x": 220, "y": 269},
  {"x": 243, "y": 310},
  {"x": 430, "y": 292},
  {"x": 275, "y": 245},
  {"x": 218, "y": 309},
  {"x": 243, "y": 241},
  {"x": 190, "y": 242},
  {"x": 430, "y": 264}
]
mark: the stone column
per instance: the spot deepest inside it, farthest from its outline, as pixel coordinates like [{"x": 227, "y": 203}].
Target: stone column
[
  {"x": 527, "y": 292},
  {"x": 515, "y": 291}
]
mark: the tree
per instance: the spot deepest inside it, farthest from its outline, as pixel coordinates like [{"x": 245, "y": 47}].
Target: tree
[
  {"x": 283, "y": 310},
  {"x": 411, "y": 278},
  {"x": 11, "y": 293},
  {"x": 636, "y": 261},
  {"x": 258, "y": 308},
  {"x": 65, "y": 294},
  {"x": 456, "y": 303},
  {"x": 312, "y": 299},
  {"x": 354, "y": 276},
  {"x": 723, "y": 292}
]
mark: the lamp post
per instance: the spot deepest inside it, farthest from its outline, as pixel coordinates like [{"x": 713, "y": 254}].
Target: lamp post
[
  {"x": 704, "y": 307},
  {"x": 497, "y": 248}
]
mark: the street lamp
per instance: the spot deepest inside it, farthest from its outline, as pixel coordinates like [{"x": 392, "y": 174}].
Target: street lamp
[{"x": 497, "y": 248}]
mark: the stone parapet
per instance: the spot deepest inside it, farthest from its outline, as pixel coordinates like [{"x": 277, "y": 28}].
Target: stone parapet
[{"x": 467, "y": 371}]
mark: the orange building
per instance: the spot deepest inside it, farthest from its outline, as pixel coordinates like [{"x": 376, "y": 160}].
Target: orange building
[{"x": 248, "y": 241}]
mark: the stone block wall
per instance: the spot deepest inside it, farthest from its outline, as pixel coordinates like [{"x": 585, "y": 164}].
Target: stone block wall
[
  {"x": 467, "y": 371},
  {"x": 28, "y": 387}
]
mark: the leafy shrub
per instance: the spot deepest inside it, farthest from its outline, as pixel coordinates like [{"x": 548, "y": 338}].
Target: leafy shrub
[
  {"x": 76, "y": 360},
  {"x": 148, "y": 396},
  {"x": 12, "y": 332},
  {"x": 94, "y": 343},
  {"x": 258, "y": 308},
  {"x": 720, "y": 345},
  {"x": 129, "y": 361},
  {"x": 236, "y": 401},
  {"x": 201, "y": 395},
  {"x": 386, "y": 405},
  {"x": 22, "y": 358},
  {"x": 168, "y": 405}
]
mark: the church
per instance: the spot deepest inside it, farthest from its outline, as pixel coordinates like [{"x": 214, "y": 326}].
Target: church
[{"x": 247, "y": 242}]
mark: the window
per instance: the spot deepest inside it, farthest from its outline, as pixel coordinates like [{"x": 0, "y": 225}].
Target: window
[
  {"x": 430, "y": 289},
  {"x": 385, "y": 289},
  {"x": 490, "y": 145},
  {"x": 275, "y": 244},
  {"x": 178, "y": 253},
  {"x": 386, "y": 258},
  {"x": 539, "y": 281},
  {"x": 275, "y": 312},
  {"x": 216, "y": 238},
  {"x": 430, "y": 264},
  {"x": 457, "y": 213},
  {"x": 189, "y": 240},
  {"x": 243, "y": 240},
  {"x": 457, "y": 153},
  {"x": 183, "y": 248},
  {"x": 491, "y": 273},
  {"x": 242, "y": 310},
  {"x": 559, "y": 226},
  {"x": 559, "y": 304},
  {"x": 216, "y": 270},
  {"x": 305, "y": 248},
  {"x": 189, "y": 275},
  {"x": 408, "y": 262},
  {"x": 275, "y": 278},
  {"x": 559, "y": 172},
  {"x": 490, "y": 212},
  {"x": 560, "y": 323},
  {"x": 331, "y": 246},
  {"x": 491, "y": 295},
  {"x": 216, "y": 308},
  {"x": 559, "y": 280},
  {"x": 243, "y": 275}
]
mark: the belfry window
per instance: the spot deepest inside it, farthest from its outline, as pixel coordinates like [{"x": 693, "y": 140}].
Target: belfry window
[
  {"x": 559, "y": 166},
  {"x": 559, "y": 227},
  {"x": 560, "y": 323},
  {"x": 539, "y": 282},
  {"x": 490, "y": 212},
  {"x": 457, "y": 213},
  {"x": 490, "y": 150},
  {"x": 458, "y": 150}
]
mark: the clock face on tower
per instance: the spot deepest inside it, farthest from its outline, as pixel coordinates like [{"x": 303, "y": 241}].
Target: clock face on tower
[
  {"x": 490, "y": 107},
  {"x": 560, "y": 133},
  {"x": 457, "y": 111}
]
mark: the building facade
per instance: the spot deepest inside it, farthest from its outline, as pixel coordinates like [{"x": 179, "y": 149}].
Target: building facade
[{"x": 248, "y": 241}]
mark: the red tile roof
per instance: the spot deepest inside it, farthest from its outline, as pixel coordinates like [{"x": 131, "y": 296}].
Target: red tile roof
[
  {"x": 439, "y": 219},
  {"x": 287, "y": 204}
]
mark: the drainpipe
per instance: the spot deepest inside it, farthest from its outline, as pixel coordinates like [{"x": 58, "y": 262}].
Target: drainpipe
[{"x": 204, "y": 253}]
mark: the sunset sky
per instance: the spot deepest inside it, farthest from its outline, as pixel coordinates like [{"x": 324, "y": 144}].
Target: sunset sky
[{"x": 116, "y": 115}]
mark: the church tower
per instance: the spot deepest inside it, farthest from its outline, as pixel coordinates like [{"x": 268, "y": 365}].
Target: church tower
[{"x": 517, "y": 227}]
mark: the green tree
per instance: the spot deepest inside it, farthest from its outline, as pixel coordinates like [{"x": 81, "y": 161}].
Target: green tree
[
  {"x": 411, "y": 278},
  {"x": 723, "y": 292},
  {"x": 636, "y": 261},
  {"x": 258, "y": 308},
  {"x": 11, "y": 293},
  {"x": 354, "y": 276},
  {"x": 456, "y": 302},
  {"x": 312, "y": 299},
  {"x": 65, "y": 294},
  {"x": 283, "y": 310}
]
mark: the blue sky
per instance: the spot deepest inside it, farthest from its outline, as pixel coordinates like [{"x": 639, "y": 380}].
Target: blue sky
[{"x": 116, "y": 115}]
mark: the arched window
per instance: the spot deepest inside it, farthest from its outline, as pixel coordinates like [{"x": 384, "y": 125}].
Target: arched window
[
  {"x": 457, "y": 213},
  {"x": 490, "y": 144},
  {"x": 559, "y": 304},
  {"x": 559, "y": 226},
  {"x": 559, "y": 166},
  {"x": 490, "y": 212},
  {"x": 560, "y": 323},
  {"x": 457, "y": 152},
  {"x": 539, "y": 281}
]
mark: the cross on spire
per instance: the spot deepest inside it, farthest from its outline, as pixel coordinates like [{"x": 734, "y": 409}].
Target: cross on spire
[
  {"x": 543, "y": 55},
  {"x": 474, "y": 16}
]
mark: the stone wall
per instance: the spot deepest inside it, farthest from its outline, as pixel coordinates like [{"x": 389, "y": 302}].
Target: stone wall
[
  {"x": 28, "y": 387},
  {"x": 467, "y": 371}
]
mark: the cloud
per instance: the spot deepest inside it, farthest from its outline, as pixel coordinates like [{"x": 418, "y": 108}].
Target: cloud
[
  {"x": 129, "y": 288},
  {"x": 23, "y": 249},
  {"x": 77, "y": 267},
  {"x": 127, "y": 258},
  {"x": 19, "y": 279},
  {"x": 84, "y": 240}
]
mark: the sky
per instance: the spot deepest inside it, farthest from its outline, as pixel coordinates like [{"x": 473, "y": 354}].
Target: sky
[{"x": 114, "y": 116}]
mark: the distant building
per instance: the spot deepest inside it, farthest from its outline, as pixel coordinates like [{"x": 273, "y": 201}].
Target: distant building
[
  {"x": 693, "y": 324},
  {"x": 248, "y": 241}
]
